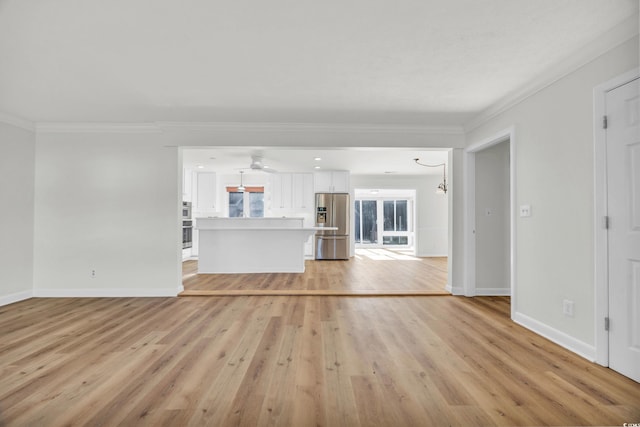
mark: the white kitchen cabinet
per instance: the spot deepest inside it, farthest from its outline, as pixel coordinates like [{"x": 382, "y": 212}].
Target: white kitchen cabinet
[
  {"x": 308, "y": 248},
  {"x": 205, "y": 192},
  {"x": 187, "y": 185},
  {"x": 331, "y": 182},
  {"x": 302, "y": 190},
  {"x": 281, "y": 192},
  {"x": 292, "y": 192}
]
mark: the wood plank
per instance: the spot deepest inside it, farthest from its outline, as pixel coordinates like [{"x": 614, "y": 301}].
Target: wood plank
[
  {"x": 294, "y": 360},
  {"x": 309, "y": 292},
  {"x": 375, "y": 270}
]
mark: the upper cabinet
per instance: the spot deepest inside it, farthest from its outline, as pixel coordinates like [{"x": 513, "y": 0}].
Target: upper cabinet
[
  {"x": 302, "y": 189},
  {"x": 292, "y": 191},
  {"x": 205, "y": 191},
  {"x": 331, "y": 182},
  {"x": 281, "y": 195},
  {"x": 187, "y": 185}
]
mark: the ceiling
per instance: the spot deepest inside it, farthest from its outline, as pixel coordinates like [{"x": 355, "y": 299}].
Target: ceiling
[
  {"x": 405, "y": 62},
  {"x": 374, "y": 62}
]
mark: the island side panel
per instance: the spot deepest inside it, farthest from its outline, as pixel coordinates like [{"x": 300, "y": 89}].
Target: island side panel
[{"x": 252, "y": 250}]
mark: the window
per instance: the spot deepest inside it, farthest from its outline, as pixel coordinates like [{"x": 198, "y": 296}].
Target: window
[
  {"x": 249, "y": 203},
  {"x": 395, "y": 228},
  {"x": 395, "y": 215},
  {"x": 236, "y": 205},
  {"x": 366, "y": 221},
  {"x": 256, "y": 205}
]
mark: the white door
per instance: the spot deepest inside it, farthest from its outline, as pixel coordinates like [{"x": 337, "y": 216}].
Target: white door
[{"x": 623, "y": 210}]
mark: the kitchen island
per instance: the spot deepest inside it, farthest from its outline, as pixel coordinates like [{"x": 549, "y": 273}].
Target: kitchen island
[{"x": 252, "y": 245}]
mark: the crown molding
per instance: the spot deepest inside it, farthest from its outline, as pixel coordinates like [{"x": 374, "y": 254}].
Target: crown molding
[
  {"x": 309, "y": 127},
  {"x": 17, "y": 122},
  {"x": 63, "y": 127},
  {"x": 618, "y": 35},
  {"x": 157, "y": 127}
]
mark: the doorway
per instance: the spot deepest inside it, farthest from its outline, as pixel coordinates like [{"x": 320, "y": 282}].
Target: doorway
[
  {"x": 489, "y": 224},
  {"x": 384, "y": 219}
]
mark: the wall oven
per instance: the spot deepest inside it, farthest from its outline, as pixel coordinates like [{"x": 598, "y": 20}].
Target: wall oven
[
  {"x": 187, "y": 233},
  {"x": 187, "y": 226},
  {"x": 186, "y": 210}
]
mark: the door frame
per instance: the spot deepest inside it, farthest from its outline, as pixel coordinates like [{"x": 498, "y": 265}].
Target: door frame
[
  {"x": 601, "y": 252},
  {"x": 469, "y": 167}
]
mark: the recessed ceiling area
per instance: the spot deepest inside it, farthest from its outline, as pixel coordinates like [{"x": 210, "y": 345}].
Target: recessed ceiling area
[
  {"x": 430, "y": 62},
  {"x": 360, "y": 161}
]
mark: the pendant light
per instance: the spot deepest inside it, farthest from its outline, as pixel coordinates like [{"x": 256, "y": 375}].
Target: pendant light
[
  {"x": 442, "y": 187},
  {"x": 241, "y": 187}
]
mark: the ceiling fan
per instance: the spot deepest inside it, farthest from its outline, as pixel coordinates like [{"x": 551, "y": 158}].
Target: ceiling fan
[{"x": 257, "y": 164}]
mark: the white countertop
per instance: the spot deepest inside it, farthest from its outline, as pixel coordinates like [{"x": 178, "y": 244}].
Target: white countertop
[
  {"x": 269, "y": 228},
  {"x": 244, "y": 218}
]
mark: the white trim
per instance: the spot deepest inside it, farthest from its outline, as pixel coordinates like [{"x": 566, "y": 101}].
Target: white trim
[
  {"x": 311, "y": 127},
  {"x": 469, "y": 220},
  {"x": 427, "y": 254},
  {"x": 454, "y": 159},
  {"x": 158, "y": 127},
  {"x": 106, "y": 293},
  {"x": 178, "y": 203},
  {"x": 488, "y": 292},
  {"x": 16, "y": 297},
  {"x": 570, "y": 343},
  {"x": 509, "y": 135},
  {"x": 601, "y": 255},
  {"x": 455, "y": 290},
  {"x": 17, "y": 122},
  {"x": 588, "y": 53},
  {"x": 62, "y": 127}
]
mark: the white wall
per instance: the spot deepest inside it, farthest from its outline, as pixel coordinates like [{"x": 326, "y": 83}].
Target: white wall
[
  {"x": 555, "y": 175},
  {"x": 432, "y": 209},
  {"x": 17, "y": 163},
  {"x": 107, "y": 202},
  {"x": 492, "y": 223},
  {"x": 107, "y": 198}
]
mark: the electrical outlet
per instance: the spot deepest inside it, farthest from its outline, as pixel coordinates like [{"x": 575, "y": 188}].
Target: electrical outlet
[
  {"x": 567, "y": 308},
  {"x": 525, "y": 211},
  {"x": 93, "y": 274}
]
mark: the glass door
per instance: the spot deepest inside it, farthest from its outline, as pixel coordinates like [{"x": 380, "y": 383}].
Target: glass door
[
  {"x": 395, "y": 227},
  {"x": 366, "y": 221}
]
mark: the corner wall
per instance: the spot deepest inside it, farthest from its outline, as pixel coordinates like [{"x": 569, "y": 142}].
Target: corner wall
[
  {"x": 17, "y": 166},
  {"x": 107, "y": 203},
  {"x": 555, "y": 175}
]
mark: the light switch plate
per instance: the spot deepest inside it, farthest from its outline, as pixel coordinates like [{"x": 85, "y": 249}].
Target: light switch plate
[
  {"x": 567, "y": 308},
  {"x": 525, "y": 211}
]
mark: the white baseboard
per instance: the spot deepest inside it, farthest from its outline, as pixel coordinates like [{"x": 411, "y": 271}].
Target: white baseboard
[
  {"x": 16, "y": 297},
  {"x": 570, "y": 343},
  {"x": 455, "y": 290},
  {"x": 431, "y": 255},
  {"x": 490, "y": 292},
  {"x": 106, "y": 293}
]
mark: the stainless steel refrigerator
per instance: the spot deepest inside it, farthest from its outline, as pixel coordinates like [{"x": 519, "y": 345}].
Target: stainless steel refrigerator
[{"x": 332, "y": 210}]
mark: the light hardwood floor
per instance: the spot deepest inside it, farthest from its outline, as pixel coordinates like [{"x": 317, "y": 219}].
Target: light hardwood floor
[
  {"x": 370, "y": 272},
  {"x": 294, "y": 361}
]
